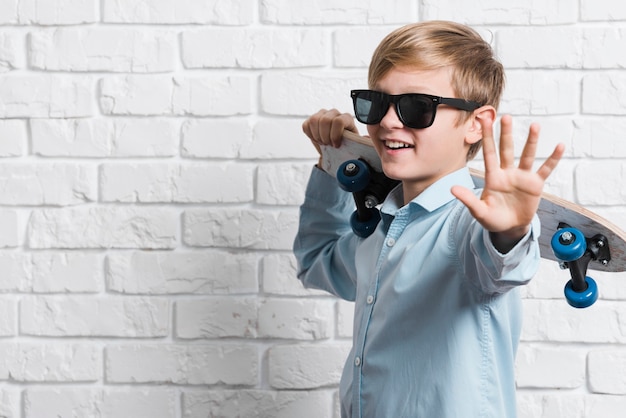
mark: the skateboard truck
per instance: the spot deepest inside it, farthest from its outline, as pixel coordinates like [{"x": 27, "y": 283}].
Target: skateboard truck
[
  {"x": 576, "y": 252},
  {"x": 369, "y": 188}
]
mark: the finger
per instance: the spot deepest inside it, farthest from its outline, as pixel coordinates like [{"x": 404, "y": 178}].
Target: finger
[
  {"x": 325, "y": 127},
  {"x": 489, "y": 145},
  {"x": 341, "y": 123},
  {"x": 470, "y": 200},
  {"x": 311, "y": 126},
  {"x": 507, "y": 156},
  {"x": 530, "y": 148},
  {"x": 550, "y": 164}
]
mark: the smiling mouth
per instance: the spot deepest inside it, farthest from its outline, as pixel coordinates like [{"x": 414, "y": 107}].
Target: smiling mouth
[{"x": 397, "y": 145}]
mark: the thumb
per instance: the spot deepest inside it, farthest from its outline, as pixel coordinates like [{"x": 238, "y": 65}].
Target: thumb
[{"x": 469, "y": 199}]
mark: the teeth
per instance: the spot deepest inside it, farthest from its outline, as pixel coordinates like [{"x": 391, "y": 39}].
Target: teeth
[{"x": 396, "y": 145}]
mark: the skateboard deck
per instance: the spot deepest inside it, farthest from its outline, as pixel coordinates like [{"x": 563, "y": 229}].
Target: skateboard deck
[{"x": 554, "y": 212}]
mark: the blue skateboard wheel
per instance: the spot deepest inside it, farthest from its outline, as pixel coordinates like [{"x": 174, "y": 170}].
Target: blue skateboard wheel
[
  {"x": 353, "y": 176},
  {"x": 364, "y": 229},
  {"x": 583, "y": 299},
  {"x": 568, "y": 244}
]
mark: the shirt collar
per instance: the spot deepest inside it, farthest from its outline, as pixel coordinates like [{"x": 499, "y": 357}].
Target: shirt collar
[{"x": 435, "y": 196}]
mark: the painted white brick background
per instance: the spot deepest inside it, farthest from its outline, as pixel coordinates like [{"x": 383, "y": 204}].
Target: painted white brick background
[{"x": 152, "y": 164}]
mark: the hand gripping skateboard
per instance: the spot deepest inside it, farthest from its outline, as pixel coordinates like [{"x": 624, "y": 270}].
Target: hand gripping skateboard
[{"x": 576, "y": 237}]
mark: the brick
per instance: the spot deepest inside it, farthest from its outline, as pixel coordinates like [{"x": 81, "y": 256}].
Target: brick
[
  {"x": 213, "y": 96},
  {"x": 354, "y": 47},
  {"x": 216, "y": 138},
  {"x": 589, "y": 130},
  {"x": 315, "y": 90},
  {"x": 45, "y": 96},
  {"x": 103, "y": 49},
  {"x": 602, "y": 94},
  {"x": 179, "y": 11},
  {"x": 12, "y": 51},
  {"x": 299, "y": 319},
  {"x": 188, "y": 183},
  {"x": 253, "y": 48},
  {"x": 51, "y": 272},
  {"x": 306, "y": 366},
  {"x": 538, "y": 92},
  {"x": 599, "y": 10},
  {"x": 607, "y": 372},
  {"x": 9, "y": 235},
  {"x": 137, "y": 95},
  {"x": 59, "y": 12},
  {"x": 8, "y": 313},
  {"x": 101, "y": 403},
  {"x": 103, "y": 227},
  {"x": 13, "y": 138},
  {"x": 8, "y": 11},
  {"x": 555, "y": 321},
  {"x": 16, "y": 272},
  {"x": 298, "y": 12},
  {"x": 67, "y": 272},
  {"x": 279, "y": 138},
  {"x": 83, "y": 316},
  {"x": 549, "y": 367},
  {"x": 610, "y": 191},
  {"x": 47, "y": 184},
  {"x": 538, "y": 405},
  {"x": 611, "y": 284},
  {"x": 10, "y": 402},
  {"x": 56, "y": 12},
  {"x": 148, "y": 95},
  {"x": 257, "y": 403},
  {"x": 561, "y": 47},
  {"x": 570, "y": 405},
  {"x": 216, "y": 318},
  {"x": 227, "y": 364},
  {"x": 279, "y": 274},
  {"x": 515, "y": 12},
  {"x": 59, "y": 362},
  {"x": 345, "y": 318},
  {"x": 282, "y": 184},
  {"x": 119, "y": 137},
  {"x": 206, "y": 272},
  {"x": 600, "y": 46},
  {"x": 228, "y": 228}
]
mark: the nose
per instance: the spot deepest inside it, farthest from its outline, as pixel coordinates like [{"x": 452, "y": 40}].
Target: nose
[{"x": 391, "y": 119}]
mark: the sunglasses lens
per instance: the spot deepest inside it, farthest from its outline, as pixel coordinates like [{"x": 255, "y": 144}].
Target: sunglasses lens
[
  {"x": 370, "y": 107},
  {"x": 416, "y": 111}
]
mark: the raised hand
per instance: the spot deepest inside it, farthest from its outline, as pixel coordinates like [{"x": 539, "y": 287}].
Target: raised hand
[{"x": 511, "y": 195}]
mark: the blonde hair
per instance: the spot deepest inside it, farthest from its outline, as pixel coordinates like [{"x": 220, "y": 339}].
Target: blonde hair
[{"x": 476, "y": 73}]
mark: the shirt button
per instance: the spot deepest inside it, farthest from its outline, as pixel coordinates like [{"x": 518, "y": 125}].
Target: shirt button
[
  {"x": 391, "y": 242},
  {"x": 357, "y": 361},
  {"x": 370, "y": 299}
]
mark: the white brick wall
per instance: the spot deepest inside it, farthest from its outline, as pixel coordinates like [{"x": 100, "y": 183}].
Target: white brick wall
[{"x": 151, "y": 165}]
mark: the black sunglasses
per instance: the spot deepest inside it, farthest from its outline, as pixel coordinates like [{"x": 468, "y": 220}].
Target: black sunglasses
[{"x": 415, "y": 110}]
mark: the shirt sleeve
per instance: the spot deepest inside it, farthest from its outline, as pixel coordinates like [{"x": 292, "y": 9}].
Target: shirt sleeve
[
  {"x": 325, "y": 245},
  {"x": 490, "y": 270}
]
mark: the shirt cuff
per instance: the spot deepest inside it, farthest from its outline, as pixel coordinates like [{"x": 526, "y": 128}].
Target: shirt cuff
[{"x": 521, "y": 248}]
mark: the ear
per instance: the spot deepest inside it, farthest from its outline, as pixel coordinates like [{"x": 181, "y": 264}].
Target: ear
[{"x": 474, "y": 131}]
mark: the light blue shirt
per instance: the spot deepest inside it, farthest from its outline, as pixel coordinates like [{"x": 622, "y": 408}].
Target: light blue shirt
[{"x": 437, "y": 312}]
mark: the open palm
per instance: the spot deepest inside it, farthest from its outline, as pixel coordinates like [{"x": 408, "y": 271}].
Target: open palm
[{"x": 511, "y": 194}]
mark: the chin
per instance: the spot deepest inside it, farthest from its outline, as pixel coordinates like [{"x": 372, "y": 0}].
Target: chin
[{"x": 394, "y": 174}]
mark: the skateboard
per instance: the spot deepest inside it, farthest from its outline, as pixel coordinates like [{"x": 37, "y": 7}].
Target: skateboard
[{"x": 575, "y": 237}]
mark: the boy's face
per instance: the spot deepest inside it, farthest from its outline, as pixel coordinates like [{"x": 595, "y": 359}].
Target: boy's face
[{"x": 432, "y": 152}]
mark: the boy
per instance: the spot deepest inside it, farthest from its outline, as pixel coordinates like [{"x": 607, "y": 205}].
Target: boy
[{"x": 437, "y": 312}]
